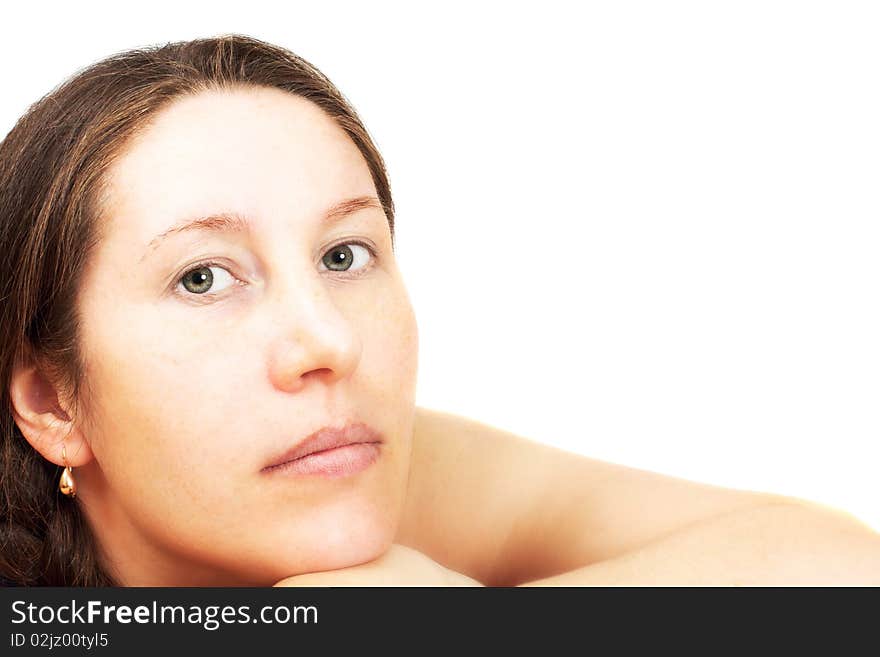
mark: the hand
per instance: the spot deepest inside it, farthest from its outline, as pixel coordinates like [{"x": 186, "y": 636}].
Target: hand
[{"x": 398, "y": 566}]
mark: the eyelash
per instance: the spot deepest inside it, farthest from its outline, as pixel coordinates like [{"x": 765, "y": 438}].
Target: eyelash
[{"x": 208, "y": 296}]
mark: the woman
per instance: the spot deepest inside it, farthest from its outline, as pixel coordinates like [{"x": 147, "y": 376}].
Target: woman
[{"x": 209, "y": 363}]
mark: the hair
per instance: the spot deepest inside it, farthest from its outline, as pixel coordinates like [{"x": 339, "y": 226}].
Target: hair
[{"x": 53, "y": 167}]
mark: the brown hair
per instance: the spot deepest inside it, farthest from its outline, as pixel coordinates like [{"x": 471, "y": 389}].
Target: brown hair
[{"x": 52, "y": 168}]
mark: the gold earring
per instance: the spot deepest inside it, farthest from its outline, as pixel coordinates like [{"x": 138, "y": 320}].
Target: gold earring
[{"x": 67, "y": 485}]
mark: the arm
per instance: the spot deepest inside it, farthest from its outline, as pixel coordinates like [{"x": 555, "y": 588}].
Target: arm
[
  {"x": 785, "y": 544},
  {"x": 505, "y": 510}
]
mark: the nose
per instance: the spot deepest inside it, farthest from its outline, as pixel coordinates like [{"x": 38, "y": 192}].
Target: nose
[{"x": 315, "y": 341}]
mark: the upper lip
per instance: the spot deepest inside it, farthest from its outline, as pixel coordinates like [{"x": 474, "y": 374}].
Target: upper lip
[{"x": 328, "y": 437}]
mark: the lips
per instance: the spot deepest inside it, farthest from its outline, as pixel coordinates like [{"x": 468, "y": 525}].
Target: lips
[{"x": 327, "y": 438}]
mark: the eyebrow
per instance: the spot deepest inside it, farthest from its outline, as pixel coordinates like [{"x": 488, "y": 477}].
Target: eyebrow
[{"x": 237, "y": 223}]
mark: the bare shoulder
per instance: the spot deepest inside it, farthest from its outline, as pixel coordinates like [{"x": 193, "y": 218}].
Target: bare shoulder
[
  {"x": 459, "y": 507},
  {"x": 503, "y": 508}
]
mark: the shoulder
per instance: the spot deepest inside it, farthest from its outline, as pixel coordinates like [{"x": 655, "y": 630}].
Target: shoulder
[
  {"x": 500, "y": 507},
  {"x": 461, "y": 505}
]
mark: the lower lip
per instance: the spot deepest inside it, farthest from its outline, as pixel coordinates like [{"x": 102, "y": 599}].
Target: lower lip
[{"x": 337, "y": 462}]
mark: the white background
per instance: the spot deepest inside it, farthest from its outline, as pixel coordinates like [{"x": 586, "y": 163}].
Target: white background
[{"x": 645, "y": 232}]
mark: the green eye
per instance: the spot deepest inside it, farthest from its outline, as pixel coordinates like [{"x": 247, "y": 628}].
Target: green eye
[
  {"x": 347, "y": 257},
  {"x": 200, "y": 279}
]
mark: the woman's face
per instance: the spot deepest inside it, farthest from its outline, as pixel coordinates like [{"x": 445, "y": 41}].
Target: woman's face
[{"x": 200, "y": 375}]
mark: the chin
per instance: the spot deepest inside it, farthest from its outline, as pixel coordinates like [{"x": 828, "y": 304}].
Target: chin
[{"x": 337, "y": 540}]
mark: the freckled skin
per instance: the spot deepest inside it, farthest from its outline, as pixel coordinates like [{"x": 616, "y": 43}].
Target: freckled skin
[{"x": 188, "y": 401}]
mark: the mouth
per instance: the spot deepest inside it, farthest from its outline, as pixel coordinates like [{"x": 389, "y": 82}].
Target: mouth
[{"x": 331, "y": 451}]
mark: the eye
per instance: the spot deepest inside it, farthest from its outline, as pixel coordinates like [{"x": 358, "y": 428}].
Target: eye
[
  {"x": 204, "y": 277},
  {"x": 350, "y": 256}
]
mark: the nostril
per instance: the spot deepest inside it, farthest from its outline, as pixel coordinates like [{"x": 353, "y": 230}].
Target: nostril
[{"x": 319, "y": 373}]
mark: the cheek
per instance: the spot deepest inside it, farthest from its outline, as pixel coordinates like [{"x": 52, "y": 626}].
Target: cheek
[
  {"x": 153, "y": 418},
  {"x": 391, "y": 341}
]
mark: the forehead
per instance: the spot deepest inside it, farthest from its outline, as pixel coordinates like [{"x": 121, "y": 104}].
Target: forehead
[{"x": 254, "y": 151}]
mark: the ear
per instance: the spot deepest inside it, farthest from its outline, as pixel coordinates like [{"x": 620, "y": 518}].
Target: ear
[{"x": 43, "y": 419}]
